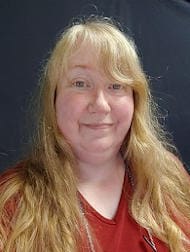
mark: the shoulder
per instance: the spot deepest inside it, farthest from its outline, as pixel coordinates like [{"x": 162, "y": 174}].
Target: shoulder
[
  {"x": 177, "y": 161},
  {"x": 179, "y": 216},
  {"x": 10, "y": 173},
  {"x": 10, "y": 193}
]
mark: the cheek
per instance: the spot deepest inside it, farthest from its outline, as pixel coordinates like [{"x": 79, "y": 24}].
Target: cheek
[
  {"x": 68, "y": 111},
  {"x": 63, "y": 109},
  {"x": 124, "y": 111},
  {"x": 125, "y": 117}
]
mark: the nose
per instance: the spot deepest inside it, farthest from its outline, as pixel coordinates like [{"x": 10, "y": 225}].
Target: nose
[{"x": 99, "y": 103}]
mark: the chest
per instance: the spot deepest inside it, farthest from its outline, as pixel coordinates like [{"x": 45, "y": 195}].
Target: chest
[{"x": 119, "y": 234}]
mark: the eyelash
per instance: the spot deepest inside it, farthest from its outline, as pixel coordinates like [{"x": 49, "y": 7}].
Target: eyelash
[
  {"x": 112, "y": 86},
  {"x": 85, "y": 85}
]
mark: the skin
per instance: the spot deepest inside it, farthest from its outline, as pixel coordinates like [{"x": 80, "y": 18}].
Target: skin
[{"x": 94, "y": 114}]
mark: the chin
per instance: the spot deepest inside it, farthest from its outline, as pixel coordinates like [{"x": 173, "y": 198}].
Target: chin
[{"x": 101, "y": 148}]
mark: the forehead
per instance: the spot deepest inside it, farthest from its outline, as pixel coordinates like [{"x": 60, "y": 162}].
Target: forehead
[
  {"x": 106, "y": 59},
  {"x": 85, "y": 55}
]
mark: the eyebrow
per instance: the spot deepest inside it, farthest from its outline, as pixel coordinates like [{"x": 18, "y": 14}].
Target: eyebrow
[{"x": 78, "y": 66}]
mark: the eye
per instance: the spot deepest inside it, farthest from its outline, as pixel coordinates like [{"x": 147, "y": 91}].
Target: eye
[
  {"x": 116, "y": 86},
  {"x": 81, "y": 84},
  {"x": 78, "y": 84}
]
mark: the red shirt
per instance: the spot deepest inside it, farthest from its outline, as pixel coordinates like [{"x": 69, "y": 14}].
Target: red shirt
[{"x": 120, "y": 234}]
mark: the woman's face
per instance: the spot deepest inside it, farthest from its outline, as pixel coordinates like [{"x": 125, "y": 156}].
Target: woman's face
[{"x": 93, "y": 112}]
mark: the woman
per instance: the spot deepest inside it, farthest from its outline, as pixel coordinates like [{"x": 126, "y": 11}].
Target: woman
[{"x": 101, "y": 175}]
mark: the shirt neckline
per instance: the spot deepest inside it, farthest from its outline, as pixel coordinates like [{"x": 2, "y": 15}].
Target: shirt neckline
[{"x": 91, "y": 211}]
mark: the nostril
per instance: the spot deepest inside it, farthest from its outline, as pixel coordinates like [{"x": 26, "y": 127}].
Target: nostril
[
  {"x": 99, "y": 108},
  {"x": 99, "y": 103}
]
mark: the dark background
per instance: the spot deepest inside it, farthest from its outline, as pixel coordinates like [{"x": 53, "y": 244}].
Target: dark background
[{"x": 160, "y": 28}]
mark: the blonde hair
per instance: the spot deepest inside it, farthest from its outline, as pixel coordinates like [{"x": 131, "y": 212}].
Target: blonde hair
[{"x": 48, "y": 216}]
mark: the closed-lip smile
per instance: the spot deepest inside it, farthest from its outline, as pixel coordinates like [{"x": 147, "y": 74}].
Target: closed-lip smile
[{"x": 98, "y": 125}]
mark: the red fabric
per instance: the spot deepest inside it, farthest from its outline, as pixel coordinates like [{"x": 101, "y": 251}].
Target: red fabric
[
  {"x": 12, "y": 203},
  {"x": 121, "y": 233}
]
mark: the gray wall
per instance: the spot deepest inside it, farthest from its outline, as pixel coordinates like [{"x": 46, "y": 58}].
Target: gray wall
[{"x": 160, "y": 28}]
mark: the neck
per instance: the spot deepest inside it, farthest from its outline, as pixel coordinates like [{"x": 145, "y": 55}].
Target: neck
[
  {"x": 95, "y": 173},
  {"x": 102, "y": 183}
]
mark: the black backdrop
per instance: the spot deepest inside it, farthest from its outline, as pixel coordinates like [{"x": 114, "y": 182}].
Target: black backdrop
[{"x": 160, "y": 28}]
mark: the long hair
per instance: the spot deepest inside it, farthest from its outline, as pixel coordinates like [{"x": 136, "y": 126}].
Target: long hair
[{"x": 48, "y": 215}]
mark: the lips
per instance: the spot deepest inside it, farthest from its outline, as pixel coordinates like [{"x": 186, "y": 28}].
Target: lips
[{"x": 97, "y": 126}]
